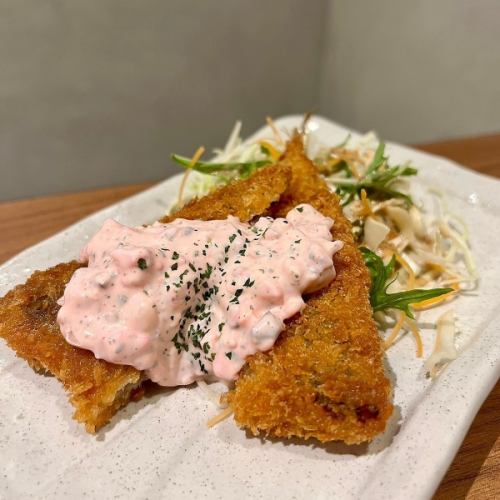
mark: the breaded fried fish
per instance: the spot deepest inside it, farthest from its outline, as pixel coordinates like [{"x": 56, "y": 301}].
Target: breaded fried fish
[
  {"x": 243, "y": 199},
  {"x": 324, "y": 377},
  {"x": 98, "y": 389}
]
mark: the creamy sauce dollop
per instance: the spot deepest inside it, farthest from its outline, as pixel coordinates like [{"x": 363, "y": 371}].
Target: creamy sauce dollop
[{"x": 192, "y": 299}]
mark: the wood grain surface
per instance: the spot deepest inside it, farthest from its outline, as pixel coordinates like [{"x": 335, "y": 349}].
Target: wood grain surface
[{"x": 475, "y": 472}]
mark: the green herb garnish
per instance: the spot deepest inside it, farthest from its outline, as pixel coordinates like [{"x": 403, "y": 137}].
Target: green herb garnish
[
  {"x": 244, "y": 169},
  {"x": 142, "y": 264},
  {"x": 248, "y": 283},
  {"x": 381, "y": 275},
  {"x": 344, "y": 142},
  {"x": 377, "y": 181},
  {"x": 378, "y": 159}
]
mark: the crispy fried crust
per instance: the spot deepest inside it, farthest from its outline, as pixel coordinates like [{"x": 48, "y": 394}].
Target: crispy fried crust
[
  {"x": 324, "y": 378},
  {"x": 243, "y": 199},
  {"x": 98, "y": 389}
]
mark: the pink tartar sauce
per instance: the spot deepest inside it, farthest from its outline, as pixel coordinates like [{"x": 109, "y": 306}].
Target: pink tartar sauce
[{"x": 192, "y": 299}]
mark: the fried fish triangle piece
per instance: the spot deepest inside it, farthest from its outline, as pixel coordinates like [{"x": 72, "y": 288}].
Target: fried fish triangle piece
[
  {"x": 98, "y": 389},
  {"x": 324, "y": 378}
]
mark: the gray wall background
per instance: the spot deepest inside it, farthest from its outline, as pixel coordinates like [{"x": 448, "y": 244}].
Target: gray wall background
[
  {"x": 100, "y": 92},
  {"x": 413, "y": 70}
]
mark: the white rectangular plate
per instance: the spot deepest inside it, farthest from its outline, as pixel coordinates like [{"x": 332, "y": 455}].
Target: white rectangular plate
[{"x": 160, "y": 446}]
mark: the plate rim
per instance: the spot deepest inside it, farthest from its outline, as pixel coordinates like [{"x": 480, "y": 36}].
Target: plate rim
[{"x": 447, "y": 454}]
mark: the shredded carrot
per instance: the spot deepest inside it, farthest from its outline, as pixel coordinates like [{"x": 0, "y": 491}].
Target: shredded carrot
[
  {"x": 426, "y": 304},
  {"x": 365, "y": 204},
  {"x": 182, "y": 186},
  {"x": 434, "y": 266},
  {"x": 408, "y": 269},
  {"x": 387, "y": 250},
  {"x": 354, "y": 170},
  {"x": 197, "y": 155},
  {"x": 418, "y": 338},
  {"x": 220, "y": 417},
  {"x": 275, "y": 154},
  {"x": 351, "y": 158},
  {"x": 276, "y": 132},
  {"x": 453, "y": 282},
  {"x": 307, "y": 117},
  {"x": 394, "y": 333}
]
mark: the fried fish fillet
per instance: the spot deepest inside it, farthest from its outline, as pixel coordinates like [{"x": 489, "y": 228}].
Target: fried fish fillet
[
  {"x": 243, "y": 199},
  {"x": 98, "y": 389},
  {"x": 324, "y": 378}
]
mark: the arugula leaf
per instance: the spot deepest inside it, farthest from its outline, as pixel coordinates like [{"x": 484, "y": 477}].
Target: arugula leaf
[
  {"x": 244, "y": 169},
  {"x": 378, "y": 159},
  {"x": 380, "y": 276},
  {"x": 377, "y": 180},
  {"x": 344, "y": 142}
]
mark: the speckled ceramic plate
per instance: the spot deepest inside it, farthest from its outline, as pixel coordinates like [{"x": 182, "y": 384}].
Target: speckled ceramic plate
[{"x": 160, "y": 446}]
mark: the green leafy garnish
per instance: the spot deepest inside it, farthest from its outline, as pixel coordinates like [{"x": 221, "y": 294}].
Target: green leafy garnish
[
  {"x": 344, "y": 142},
  {"x": 243, "y": 169},
  {"x": 378, "y": 159},
  {"x": 142, "y": 264},
  {"x": 381, "y": 275},
  {"x": 265, "y": 150},
  {"x": 377, "y": 180}
]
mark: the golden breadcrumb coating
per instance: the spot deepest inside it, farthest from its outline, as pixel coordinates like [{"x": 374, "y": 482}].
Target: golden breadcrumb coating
[
  {"x": 98, "y": 389},
  {"x": 324, "y": 378},
  {"x": 243, "y": 199}
]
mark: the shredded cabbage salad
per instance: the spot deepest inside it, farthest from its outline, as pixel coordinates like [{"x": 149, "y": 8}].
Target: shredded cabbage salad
[{"x": 418, "y": 258}]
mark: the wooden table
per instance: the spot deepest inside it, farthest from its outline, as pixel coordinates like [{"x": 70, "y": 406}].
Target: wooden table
[{"x": 475, "y": 472}]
